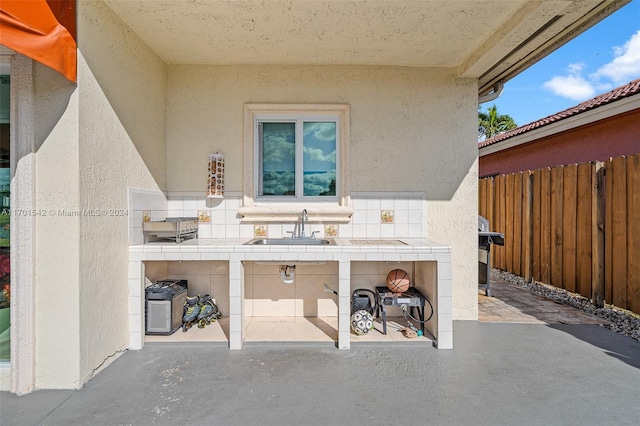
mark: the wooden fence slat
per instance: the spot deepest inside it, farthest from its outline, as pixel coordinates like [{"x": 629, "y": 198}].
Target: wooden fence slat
[
  {"x": 482, "y": 197},
  {"x": 597, "y": 236},
  {"x": 583, "y": 271},
  {"x": 619, "y": 232},
  {"x": 509, "y": 200},
  {"x": 545, "y": 228},
  {"x": 503, "y": 219},
  {"x": 633, "y": 233},
  {"x": 499, "y": 226},
  {"x": 556, "y": 226},
  {"x": 608, "y": 232},
  {"x": 536, "y": 218},
  {"x": 502, "y": 250},
  {"x": 487, "y": 193},
  {"x": 491, "y": 210},
  {"x": 527, "y": 228},
  {"x": 517, "y": 224},
  {"x": 570, "y": 180}
]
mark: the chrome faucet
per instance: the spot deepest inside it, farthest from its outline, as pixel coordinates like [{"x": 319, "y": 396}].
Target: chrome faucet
[{"x": 305, "y": 216}]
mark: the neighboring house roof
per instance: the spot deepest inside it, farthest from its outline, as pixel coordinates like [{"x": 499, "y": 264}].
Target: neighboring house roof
[{"x": 615, "y": 95}]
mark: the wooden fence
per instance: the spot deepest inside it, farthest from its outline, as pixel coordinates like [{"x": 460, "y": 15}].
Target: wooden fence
[{"x": 575, "y": 227}]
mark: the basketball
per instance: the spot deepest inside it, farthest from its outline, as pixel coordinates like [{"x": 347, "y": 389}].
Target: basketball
[{"x": 398, "y": 281}]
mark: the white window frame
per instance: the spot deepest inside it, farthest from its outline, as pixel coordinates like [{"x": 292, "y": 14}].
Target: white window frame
[{"x": 287, "y": 208}]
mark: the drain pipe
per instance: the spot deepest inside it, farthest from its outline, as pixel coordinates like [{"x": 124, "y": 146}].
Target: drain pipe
[
  {"x": 287, "y": 273},
  {"x": 497, "y": 91}
]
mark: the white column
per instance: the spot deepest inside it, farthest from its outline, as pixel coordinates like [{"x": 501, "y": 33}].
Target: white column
[
  {"x": 136, "y": 304},
  {"x": 236, "y": 303},
  {"x": 445, "y": 304},
  {"x": 344, "y": 304},
  {"x": 23, "y": 226}
]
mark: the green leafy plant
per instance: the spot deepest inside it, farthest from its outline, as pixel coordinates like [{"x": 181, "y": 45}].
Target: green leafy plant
[{"x": 491, "y": 123}]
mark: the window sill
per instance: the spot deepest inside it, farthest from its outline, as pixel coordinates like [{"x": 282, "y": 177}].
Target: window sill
[{"x": 291, "y": 214}]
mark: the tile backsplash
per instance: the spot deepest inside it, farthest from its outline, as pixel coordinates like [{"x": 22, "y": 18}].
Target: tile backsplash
[
  {"x": 376, "y": 215},
  {"x": 144, "y": 204},
  {"x": 386, "y": 215}
]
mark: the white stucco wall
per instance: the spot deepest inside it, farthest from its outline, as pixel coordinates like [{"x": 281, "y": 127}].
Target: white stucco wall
[
  {"x": 412, "y": 129},
  {"x": 57, "y": 252},
  {"x": 95, "y": 140},
  {"x": 122, "y": 86}
]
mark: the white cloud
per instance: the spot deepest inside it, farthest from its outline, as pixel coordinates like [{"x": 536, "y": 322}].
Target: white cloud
[
  {"x": 279, "y": 153},
  {"x": 576, "y": 69},
  {"x": 322, "y": 131},
  {"x": 318, "y": 183},
  {"x": 623, "y": 68},
  {"x": 626, "y": 64},
  {"x": 572, "y": 86},
  {"x": 317, "y": 155},
  {"x": 278, "y": 183}
]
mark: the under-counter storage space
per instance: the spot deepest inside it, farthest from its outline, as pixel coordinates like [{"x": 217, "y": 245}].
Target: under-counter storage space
[
  {"x": 423, "y": 276},
  {"x": 286, "y": 302},
  {"x": 203, "y": 278}
]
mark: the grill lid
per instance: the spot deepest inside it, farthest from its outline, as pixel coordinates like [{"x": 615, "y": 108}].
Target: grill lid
[{"x": 483, "y": 224}]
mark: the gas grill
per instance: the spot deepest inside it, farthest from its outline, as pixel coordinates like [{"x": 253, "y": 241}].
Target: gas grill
[{"x": 485, "y": 239}]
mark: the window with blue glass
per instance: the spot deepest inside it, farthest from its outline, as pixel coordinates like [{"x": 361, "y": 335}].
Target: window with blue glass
[{"x": 297, "y": 157}]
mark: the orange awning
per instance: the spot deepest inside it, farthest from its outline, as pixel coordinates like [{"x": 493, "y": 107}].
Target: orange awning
[{"x": 43, "y": 30}]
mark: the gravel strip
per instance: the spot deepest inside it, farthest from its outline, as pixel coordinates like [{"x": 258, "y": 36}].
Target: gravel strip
[{"x": 621, "y": 321}]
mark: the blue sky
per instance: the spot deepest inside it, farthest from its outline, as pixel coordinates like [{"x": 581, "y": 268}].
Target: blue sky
[{"x": 602, "y": 58}]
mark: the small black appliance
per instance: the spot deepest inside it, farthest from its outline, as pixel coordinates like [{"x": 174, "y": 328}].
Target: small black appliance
[{"x": 164, "y": 303}]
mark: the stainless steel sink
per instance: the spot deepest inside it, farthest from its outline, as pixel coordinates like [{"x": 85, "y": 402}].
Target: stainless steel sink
[{"x": 290, "y": 242}]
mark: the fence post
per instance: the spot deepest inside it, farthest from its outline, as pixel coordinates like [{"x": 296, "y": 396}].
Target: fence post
[
  {"x": 597, "y": 235},
  {"x": 556, "y": 240},
  {"x": 536, "y": 220},
  {"x": 633, "y": 233},
  {"x": 527, "y": 226}
]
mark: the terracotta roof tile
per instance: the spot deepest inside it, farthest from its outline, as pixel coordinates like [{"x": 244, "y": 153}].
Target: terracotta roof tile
[{"x": 621, "y": 92}]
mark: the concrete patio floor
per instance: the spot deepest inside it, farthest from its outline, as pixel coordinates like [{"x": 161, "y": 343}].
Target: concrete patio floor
[{"x": 517, "y": 367}]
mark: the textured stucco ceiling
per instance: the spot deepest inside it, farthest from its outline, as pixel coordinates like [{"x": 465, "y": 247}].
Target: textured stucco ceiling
[{"x": 477, "y": 37}]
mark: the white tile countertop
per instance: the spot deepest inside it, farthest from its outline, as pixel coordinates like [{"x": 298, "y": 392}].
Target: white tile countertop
[
  {"x": 202, "y": 245},
  {"x": 343, "y": 251}
]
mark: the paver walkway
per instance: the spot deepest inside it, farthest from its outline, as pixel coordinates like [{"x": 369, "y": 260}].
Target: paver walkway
[{"x": 513, "y": 304}]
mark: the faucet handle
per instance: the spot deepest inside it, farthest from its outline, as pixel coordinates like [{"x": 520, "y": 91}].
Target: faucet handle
[
  {"x": 293, "y": 234},
  {"x": 313, "y": 234}
]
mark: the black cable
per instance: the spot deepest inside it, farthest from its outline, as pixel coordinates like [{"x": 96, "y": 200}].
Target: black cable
[{"x": 407, "y": 312}]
